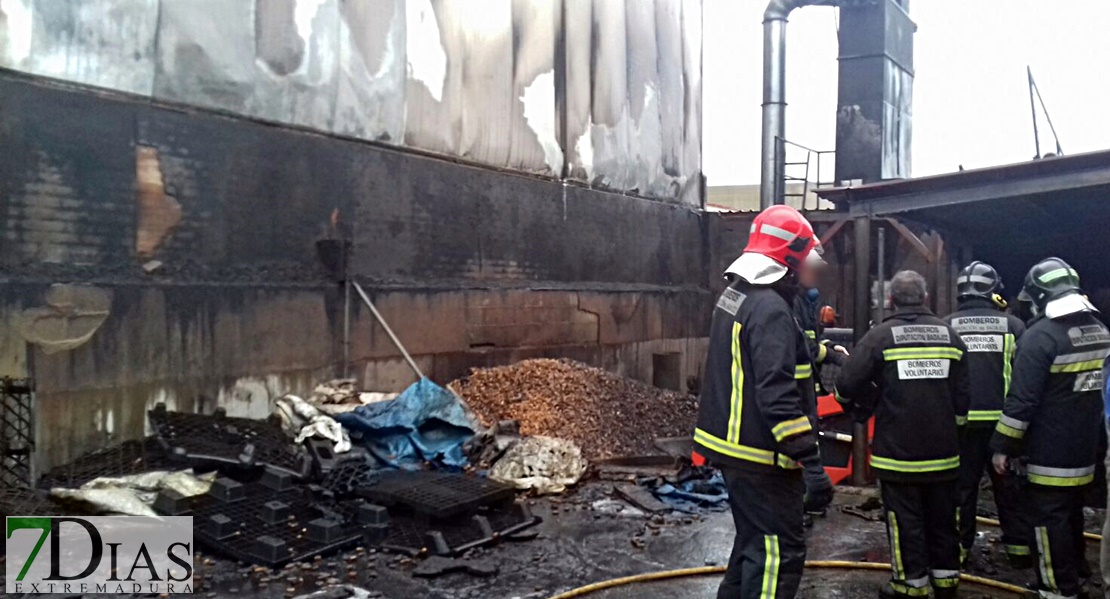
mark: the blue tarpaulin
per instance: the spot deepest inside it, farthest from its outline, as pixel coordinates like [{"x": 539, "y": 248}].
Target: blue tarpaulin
[
  {"x": 694, "y": 495},
  {"x": 426, "y": 423}
]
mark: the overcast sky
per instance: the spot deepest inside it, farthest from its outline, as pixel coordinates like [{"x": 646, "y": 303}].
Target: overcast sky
[{"x": 970, "y": 102}]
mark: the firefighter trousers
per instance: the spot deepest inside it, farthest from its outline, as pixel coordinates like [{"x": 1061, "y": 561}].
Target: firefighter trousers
[
  {"x": 1056, "y": 514},
  {"x": 769, "y": 552},
  {"x": 975, "y": 457},
  {"x": 924, "y": 537}
]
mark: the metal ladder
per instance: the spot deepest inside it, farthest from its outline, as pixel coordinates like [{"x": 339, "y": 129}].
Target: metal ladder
[{"x": 796, "y": 171}]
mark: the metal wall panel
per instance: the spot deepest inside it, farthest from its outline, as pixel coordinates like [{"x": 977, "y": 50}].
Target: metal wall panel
[
  {"x": 607, "y": 92},
  {"x": 106, "y": 43}
]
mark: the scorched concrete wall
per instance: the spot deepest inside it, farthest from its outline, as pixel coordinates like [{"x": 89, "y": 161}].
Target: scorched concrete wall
[{"x": 152, "y": 252}]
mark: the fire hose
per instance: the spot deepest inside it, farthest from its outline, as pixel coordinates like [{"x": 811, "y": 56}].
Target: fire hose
[
  {"x": 706, "y": 570},
  {"x": 1090, "y": 536}
]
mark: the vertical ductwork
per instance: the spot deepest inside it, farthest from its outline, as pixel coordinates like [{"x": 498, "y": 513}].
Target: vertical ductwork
[
  {"x": 774, "y": 95},
  {"x": 874, "y": 114}
]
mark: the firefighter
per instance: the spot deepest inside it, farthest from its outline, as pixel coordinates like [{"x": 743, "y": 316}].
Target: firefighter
[
  {"x": 821, "y": 352},
  {"x": 805, "y": 310},
  {"x": 752, "y": 419},
  {"x": 1052, "y": 417},
  {"x": 910, "y": 371},
  {"x": 990, "y": 336}
]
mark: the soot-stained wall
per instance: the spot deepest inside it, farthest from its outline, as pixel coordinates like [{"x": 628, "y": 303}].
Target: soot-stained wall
[{"x": 154, "y": 252}]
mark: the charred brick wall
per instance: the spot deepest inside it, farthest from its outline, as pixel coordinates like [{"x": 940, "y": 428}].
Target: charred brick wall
[{"x": 156, "y": 253}]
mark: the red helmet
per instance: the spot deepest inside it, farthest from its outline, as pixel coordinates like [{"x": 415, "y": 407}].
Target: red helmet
[{"x": 780, "y": 240}]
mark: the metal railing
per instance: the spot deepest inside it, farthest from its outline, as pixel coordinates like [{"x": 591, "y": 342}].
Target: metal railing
[{"x": 796, "y": 162}]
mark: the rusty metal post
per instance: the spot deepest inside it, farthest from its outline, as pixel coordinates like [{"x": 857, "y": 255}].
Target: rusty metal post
[{"x": 861, "y": 323}]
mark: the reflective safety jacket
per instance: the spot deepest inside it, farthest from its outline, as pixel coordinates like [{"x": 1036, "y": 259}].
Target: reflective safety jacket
[
  {"x": 757, "y": 383},
  {"x": 990, "y": 337},
  {"x": 1053, "y": 412},
  {"x": 916, "y": 361}
]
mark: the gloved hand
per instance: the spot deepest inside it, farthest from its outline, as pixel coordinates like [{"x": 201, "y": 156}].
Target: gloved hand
[{"x": 819, "y": 489}]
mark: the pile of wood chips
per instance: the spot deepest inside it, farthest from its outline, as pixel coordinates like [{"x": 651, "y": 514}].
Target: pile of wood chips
[{"x": 604, "y": 414}]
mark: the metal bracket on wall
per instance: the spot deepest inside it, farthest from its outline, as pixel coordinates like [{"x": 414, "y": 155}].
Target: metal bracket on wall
[{"x": 17, "y": 432}]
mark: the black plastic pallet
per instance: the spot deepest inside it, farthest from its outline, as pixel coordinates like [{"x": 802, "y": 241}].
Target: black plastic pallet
[
  {"x": 16, "y": 501},
  {"x": 17, "y": 432},
  {"x": 219, "y": 439},
  {"x": 129, "y": 457},
  {"x": 414, "y": 535},
  {"x": 349, "y": 475},
  {"x": 231, "y": 520},
  {"x": 437, "y": 494}
]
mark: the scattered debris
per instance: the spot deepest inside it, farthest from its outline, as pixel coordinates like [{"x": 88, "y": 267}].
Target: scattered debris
[
  {"x": 676, "y": 447},
  {"x": 438, "y": 566},
  {"x": 302, "y": 420},
  {"x": 345, "y": 591},
  {"x": 544, "y": 464},
  {"x": 133, "y": 494},
  {"x": 603, "y": 413},
  {"x": 691, "y": 490},
  {"x": 636, "y": 467},
  {"x": 151, "y": 266},
  {"x": 343, "y": 395},
  {"x": 868, "y": 510},
  {"x": 640, "y": 497}
]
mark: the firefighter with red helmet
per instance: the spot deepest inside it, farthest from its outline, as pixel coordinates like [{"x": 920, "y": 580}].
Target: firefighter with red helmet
[{"x": 753, "y": 423}]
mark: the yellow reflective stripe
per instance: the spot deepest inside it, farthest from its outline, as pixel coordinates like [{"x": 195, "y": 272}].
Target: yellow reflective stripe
[
  {"x": 915, "y": 466},
  {"x": 896, "y": 541},
  {"x": 1052, "y": 275},
  {"x": 905, "y": 589},
  {"x": 770, "y": 567},
  {"x": 1008, "y": 347},
  {"x": 1061, "y": 481},
  {"x": 983, "y": 415},
  {"x": 822, "y": 352},
  {"x": 803, "y": 371},
  {"x": 1018, "y": 550},
  {"x": 1044, "y": 553},
  {"x": 1009, "y": 431},
  {"x": 811, "y": 333},
  {"x": 787, "y": 428},
  {"x": 742, "y": 452},
  {"x": 736, "y": 403},
  {"x": 946, "y": 582},
  {"x": 1077, "y": 366},
  {"x": 961, "y": 420},
  {"x": 922, "y": 353}
]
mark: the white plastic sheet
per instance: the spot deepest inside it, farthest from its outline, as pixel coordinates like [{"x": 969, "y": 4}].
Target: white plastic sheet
[{"x": 544, "y": 464}]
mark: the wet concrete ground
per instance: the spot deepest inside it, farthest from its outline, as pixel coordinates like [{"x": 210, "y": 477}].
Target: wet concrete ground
[{"x": 587, "y": 536}]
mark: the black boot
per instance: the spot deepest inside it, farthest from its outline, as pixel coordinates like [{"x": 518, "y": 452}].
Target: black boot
[{"x": 946, "y": 593}]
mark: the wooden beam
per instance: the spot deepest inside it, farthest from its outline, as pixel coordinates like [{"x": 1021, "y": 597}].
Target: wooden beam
[
  {"x": 914, "y": 241},
  {"x": 831, "y": 232}
]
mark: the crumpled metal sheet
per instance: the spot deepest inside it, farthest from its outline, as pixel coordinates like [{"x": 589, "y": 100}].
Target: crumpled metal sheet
[{"x": 607, "y": 92}]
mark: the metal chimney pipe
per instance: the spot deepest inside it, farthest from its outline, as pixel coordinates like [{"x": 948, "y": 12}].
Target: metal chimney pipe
[{"x": 774, "y": 96}]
